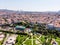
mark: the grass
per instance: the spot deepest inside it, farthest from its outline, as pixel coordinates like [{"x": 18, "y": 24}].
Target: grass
[
  {"x": 42, "y": 38},
  {"x": 58, "y": 40},
  {"x": 34, "y": 42},
  {"x": 28, "y": 42},
  {"x": 0, "y": 42},
  {"x": 22, "y": 38}
]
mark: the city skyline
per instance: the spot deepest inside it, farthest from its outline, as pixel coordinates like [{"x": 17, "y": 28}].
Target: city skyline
[{"x": 30, "y": 5}]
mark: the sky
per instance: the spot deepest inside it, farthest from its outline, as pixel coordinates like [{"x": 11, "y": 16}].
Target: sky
[{"x": 30, "y": 5}]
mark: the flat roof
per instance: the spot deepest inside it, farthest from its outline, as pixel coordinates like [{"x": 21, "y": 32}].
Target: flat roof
[{"x": 20, "y": 27}]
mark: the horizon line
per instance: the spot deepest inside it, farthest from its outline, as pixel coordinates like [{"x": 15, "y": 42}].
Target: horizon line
[{"x": 31, "y": 10}]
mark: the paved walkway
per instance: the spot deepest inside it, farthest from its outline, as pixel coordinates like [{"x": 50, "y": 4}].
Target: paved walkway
[
  {"x": 13, "y": 35},
  {"x": 36, "y": 40},
  {"x": 5, "y": 39}
]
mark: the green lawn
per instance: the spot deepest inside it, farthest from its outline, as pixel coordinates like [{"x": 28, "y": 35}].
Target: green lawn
[
  {"x": 20, "y": 39},
  {"x": 28, "y": 42},
  {"x": 0, "y": 42},
  {"x": 34, "y": 42},
  {"x": 42, "y": 39},
  {"x": 58, "y": 40}
]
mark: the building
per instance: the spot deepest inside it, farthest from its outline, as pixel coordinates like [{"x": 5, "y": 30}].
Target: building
[
  {"x": 21, "y": 28},
  {"x": 27, "y": 30},
  {"x": 57, "y": 24},
  {"x": 50, "y": 26}
]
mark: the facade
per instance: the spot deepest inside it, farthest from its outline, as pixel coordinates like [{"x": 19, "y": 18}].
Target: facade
[{"x": 50, "y": 26}]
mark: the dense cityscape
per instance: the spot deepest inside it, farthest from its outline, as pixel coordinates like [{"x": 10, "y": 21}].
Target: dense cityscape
[
  {"x": 29, "y": 22},
  {"x": 9, "y": 16},
  {"x": 29, "y": 28}
]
